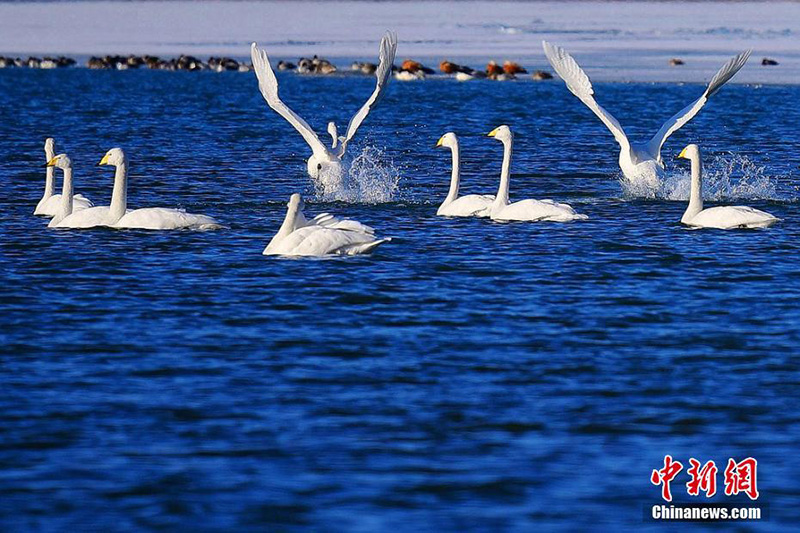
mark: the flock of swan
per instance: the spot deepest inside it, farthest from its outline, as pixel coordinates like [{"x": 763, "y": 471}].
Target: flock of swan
[{"x": 641, "y": 163}]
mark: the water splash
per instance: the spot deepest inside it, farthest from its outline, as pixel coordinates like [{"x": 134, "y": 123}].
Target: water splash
[
  {"x": 725, "y": 177},
  {"x": 370, "y": 178}
]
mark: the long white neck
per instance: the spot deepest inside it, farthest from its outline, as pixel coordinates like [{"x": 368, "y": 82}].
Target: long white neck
[
  {"x": 455, "y": 177},
  {"x": 501, "y": 199},
  {"x": 289, "y": 225},
  {"x": 50, "y": 176},
  {"x": 696, "y": 193},
  {"x": 119, "y": 196},
  {"x": 66, "y": 197}
]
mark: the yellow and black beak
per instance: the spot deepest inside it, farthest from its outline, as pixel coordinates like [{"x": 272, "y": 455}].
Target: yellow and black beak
[
  {"x": 439, "y": 142},
  {"x": 682, "y": 155},
  {"x": 103, "y": 161},
  {"x": 493, "y": 132},
  {"x": 51, "y": 163}
]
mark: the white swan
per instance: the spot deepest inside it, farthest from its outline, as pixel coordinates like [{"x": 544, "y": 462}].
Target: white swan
[
  {"x": 470, "y": 205},
  {"x": 324, "y": 235},
  {"x": 527, "y": 210},
  {"x": 723, "y": 217},
  {"x": 66, "y": 205},
  {"x": 117, "y": 214},
  {"x": 50, "y": 204},
  {"x": 324, "y": 165},
  {"x": 641, "y": 163}
]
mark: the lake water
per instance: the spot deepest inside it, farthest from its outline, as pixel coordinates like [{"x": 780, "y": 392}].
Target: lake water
[{"x": 468, "y": 375}]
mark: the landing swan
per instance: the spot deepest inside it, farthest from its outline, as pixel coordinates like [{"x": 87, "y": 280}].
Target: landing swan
[
  {"x": 528, "y": 210},
  {"x": 724, "y": 217},
  {"x": 324, "y": 165},
  {"x": 470, "y": 205},
  {"x": 641, "y": 163},
  {"x": 50, "y": 204},
  {"x": 117, "y": 214},
  {"x": 324, "y": 235}
]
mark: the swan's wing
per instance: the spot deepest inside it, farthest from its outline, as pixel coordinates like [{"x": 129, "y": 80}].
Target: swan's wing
[
  {"x": 382, "y": 74},
  {"x": 268, "y": 85},
  {"x": 579, "y": 84},
  {"x": 724, "y": 74},
  {"x": 329, "y": 221}
]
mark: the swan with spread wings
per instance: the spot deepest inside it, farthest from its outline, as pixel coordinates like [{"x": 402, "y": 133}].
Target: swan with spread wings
[
  {"x": 325, "y": 164},
  {"x": 641, "y": 163}
]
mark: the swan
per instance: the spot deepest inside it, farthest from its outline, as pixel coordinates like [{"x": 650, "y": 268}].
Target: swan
[
  {"x": 117, "y": 214},
  {"x": 641, "y": 163},
  {"x": 528, "y": 210},
  {"x": 325, "y": 165},
  {"x": 723, "y": 217},
  {"x": 471, "y": 205},
  {"x": 155, "y": 218},
  {"x": 63, "y": 162},
  {"x": 50, "y": 204},
  {"x": 323, "y": 235}
]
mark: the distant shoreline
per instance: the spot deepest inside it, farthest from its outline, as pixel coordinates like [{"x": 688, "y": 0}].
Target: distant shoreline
[{"x": 611, "y": 47}]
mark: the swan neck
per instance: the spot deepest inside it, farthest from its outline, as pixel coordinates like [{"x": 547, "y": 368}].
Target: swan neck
[
  {"x": 455, "y": 177},
  {"x": 49, "y": 183},
  {"x": 696, "y": 191},
  {"x": 505, "y": 173},
  {"x": 289, "y": 225},
  {"x": 119, "y": 197},
  {"x": 66, "y": 194},
  {"x": 50, "y": 175}
]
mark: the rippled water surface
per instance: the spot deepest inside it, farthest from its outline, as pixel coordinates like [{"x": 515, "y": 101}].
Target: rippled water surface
[{"x": 469, "y": 375}]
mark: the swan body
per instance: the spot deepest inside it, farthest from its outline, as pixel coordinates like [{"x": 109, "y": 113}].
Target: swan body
[
  {"x": 50, "y": 204},
  {"x": 722, "y": 217},
  {"x": 323, "y": 235},
  {"x": 525, "y": 210},
  {"x": 471, "y": 205},
  {"x": 641, "y": 163},
  {"x": 325, "y": 164},
  {"x": 162, "y": 218}
]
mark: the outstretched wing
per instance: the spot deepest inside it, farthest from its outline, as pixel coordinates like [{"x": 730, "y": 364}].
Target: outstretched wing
[
  {"x": 268, "y": 85},
  {"x": 579, "y": 84},
  {"x": 382, "y": 73},
  {"x": 724, "y": 74}
]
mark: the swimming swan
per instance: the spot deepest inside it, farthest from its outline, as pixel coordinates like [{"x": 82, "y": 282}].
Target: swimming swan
[
  {"x": 65, "y": 208},
  {"x": 470, "y": 205},
  {"x": 528, "y": 210},
  {"x": 324, "y": 165},
  {"x": 50, "y": 204},
  {"x": 324, "y": 235},
  {"x": 641, "y": 163},
  {"x": 117, "y": 214},
  {"x": 723, "y": 217}
]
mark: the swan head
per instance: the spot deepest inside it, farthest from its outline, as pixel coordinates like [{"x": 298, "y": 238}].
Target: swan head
[
  {"x": 296, "y": 203},
  {"x": 114, "y": 157},
  {"x": 60, "y": 161},
  {"x": 49, "y": 145},
  {"x": 501, "y": 133},
  {"x": 326, "y": 171},
  {"x": 448, "y": 140},
  {"x": 692, "y": 151}
]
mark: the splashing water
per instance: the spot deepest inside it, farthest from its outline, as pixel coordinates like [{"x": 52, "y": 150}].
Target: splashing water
[
  {"x": 725, "y": 177},
  {"x": 370, "y": 178}
]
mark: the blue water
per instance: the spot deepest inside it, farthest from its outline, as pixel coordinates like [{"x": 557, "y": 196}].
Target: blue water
[{"x": 467, "y": 376}]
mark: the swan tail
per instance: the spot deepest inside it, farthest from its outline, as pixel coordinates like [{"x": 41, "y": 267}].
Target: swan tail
[{"x": 364, "y": 248}]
